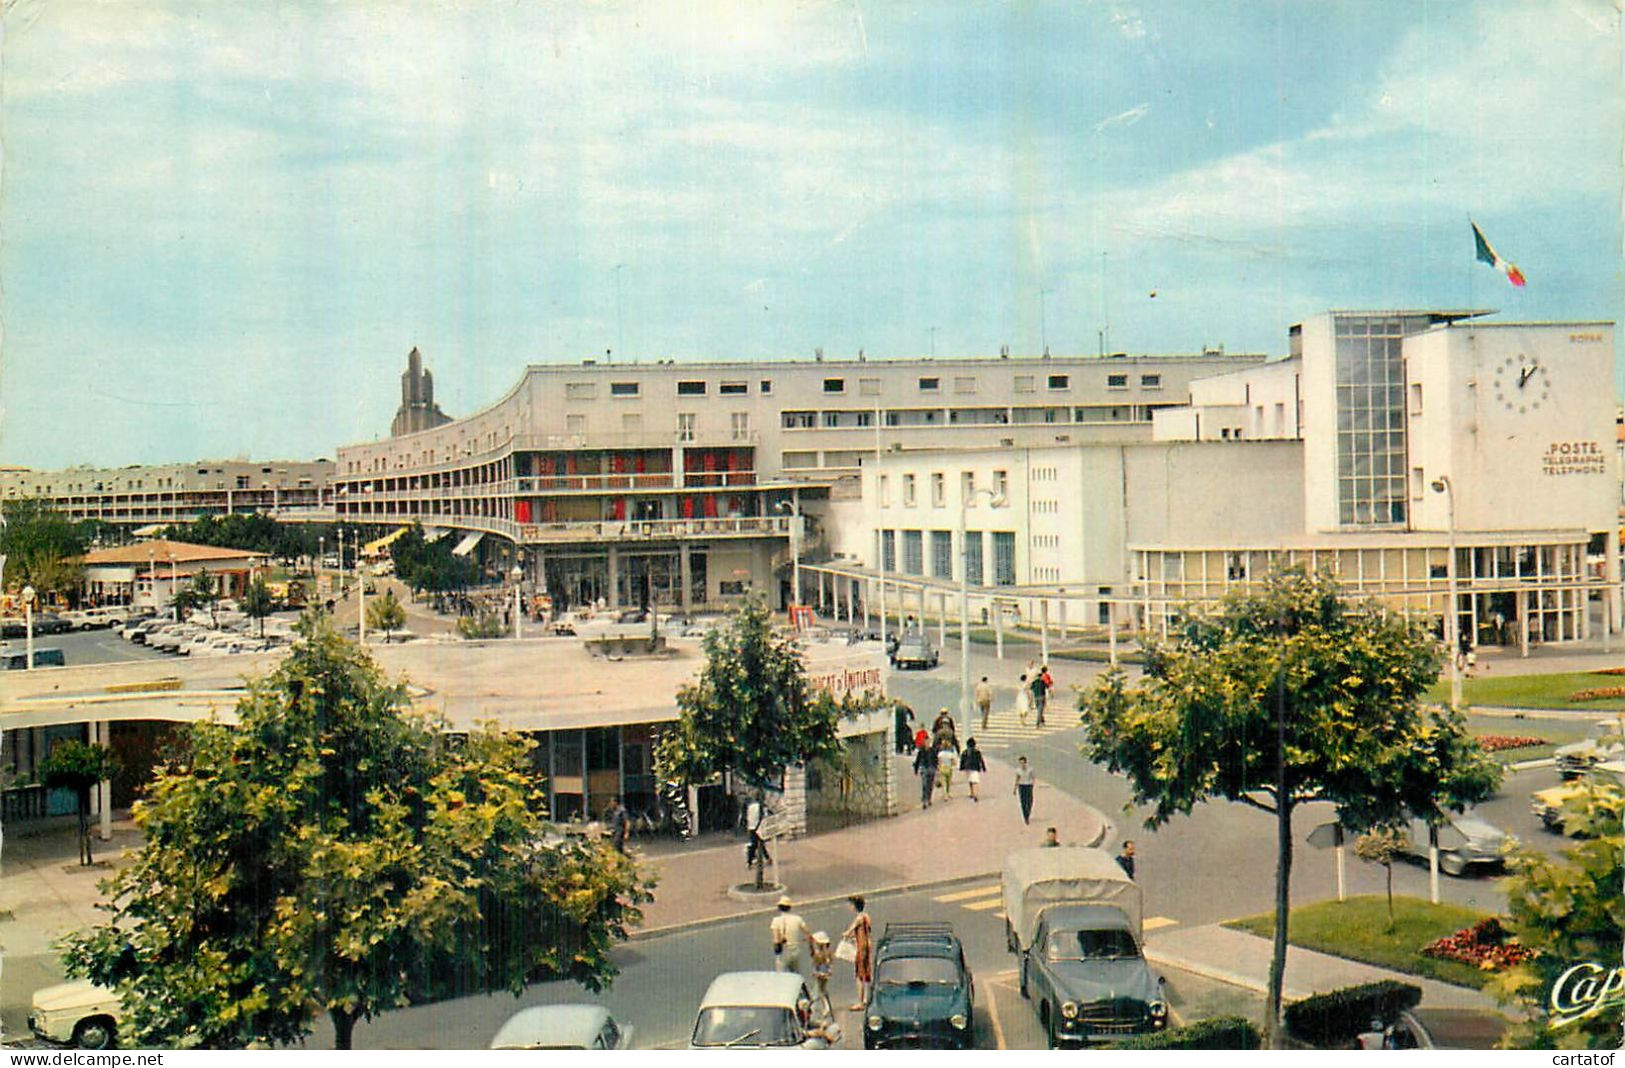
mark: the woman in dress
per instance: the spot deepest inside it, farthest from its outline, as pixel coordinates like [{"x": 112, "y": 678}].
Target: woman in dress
[{"x": 859, "y": 932}]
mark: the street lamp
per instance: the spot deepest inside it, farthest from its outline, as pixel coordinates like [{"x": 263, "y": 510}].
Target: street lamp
[
  {"x": 175, "y": 586},
  {"x": 360, "y": 590},
  {"x": 321, "y": 555},
  {"x": 792, "y": 508},
  {"x": 518, "y": 614},
  {"x": 1443, "y": 485},
  {"x": 995, "y": 499},
  {"x": 28, "y": 623}
]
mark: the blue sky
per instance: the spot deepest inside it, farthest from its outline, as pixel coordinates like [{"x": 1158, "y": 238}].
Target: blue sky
[{"x": 225, "y": 224}]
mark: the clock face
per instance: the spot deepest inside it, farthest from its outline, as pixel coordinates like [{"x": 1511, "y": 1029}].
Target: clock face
[{"x": 1520, "y": 384}]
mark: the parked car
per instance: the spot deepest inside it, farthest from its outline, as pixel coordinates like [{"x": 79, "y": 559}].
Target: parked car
[
  {"x": 1607, "y": 742},
  {"x": 1465, "y": 841},
  {"x": 80, "y": 1012},
  {"x": 1073, "y": 918},
  {"x": 562, "y": 1027},
  {"x": 50, "y": 623},
  {"x": 760, "y": 1010},
  {"x": 923, "y": 992},
  {"x": 92, "y": 618},
  {"x": 914, "y": 650},
  {"x": 1548, "y": 804},
  {"x": 142, "y": 632},
  {"x": 1445, "y": 1028},
  {"x": 17, "y": 659}
]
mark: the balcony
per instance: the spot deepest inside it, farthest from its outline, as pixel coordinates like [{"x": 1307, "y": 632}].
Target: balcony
[{"x": 655, "y": 529}]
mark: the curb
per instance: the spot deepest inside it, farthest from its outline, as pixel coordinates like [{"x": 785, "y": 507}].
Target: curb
[
  {"x": 1220, "y": 975},
  {"x": 831, "y": 899},
  {"x": 1529, "y": 765}
]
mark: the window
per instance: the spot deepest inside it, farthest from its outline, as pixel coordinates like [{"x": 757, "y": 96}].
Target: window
[
  {"x": 930, "y": 385},
  {"x": 913, "y": 552},
  {"x": 691, "y": 389},
  {"x": 1150, "y": 381},
  {"x": 966, "y": 384},
  {"x": 885, "y": 491},
  {"x": 624, "y": 389},
  {"x": 942, "y": 554},
  {"x": 1416, "y": 398},
  {"x": 732, "y": 389},
  {"x": 967, "y": 488},
  {"x": 888, "y": 550},
  {"x": 1117, "y": 381},
  {"x": 939, "y": 489},
  {"x": 685, "y": 426},
  {"x": 767, "y": 386},
  {"x": 580, "y": 390},
  {"x": 1001, "y": 483},
  {"x": 834, "y": 385},
  {"x": 832, "y": 419},
  {"x": 1418, "y": 483},
  {"x": 731, "y": 588},
  {"x": 798, "y": 420},
  {"x": 740, "y": 425},
  {"x": 1059, "y": 381},
  {"x": 869, "y": 387},
  {"x": 908, "y": 491},
  {"x": 1004, "y": 558},
  {"x": 973, "y": 557},
  {"x": 1024, "y": 383}
]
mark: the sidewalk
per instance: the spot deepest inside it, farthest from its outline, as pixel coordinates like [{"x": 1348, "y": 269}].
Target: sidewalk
[
  {"x": 1243, "y": 960},
  {"x": 953, "y": 839}
]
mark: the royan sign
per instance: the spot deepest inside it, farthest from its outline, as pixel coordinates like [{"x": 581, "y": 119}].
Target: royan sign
[
  {"x": 1574, "y": 458},
  {"x": 1584, "y": 991}
]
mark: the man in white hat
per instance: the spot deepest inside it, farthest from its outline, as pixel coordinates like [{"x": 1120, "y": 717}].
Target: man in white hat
[{"x": 790, "y": 934}]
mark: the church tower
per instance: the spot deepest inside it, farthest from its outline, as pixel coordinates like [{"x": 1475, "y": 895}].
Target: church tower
[{"x": 418, "y": 411}]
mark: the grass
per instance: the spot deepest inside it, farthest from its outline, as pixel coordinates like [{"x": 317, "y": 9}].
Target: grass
[
  {"x": 1533, "y": 691},
  {"x": 1357, "y": 929}
]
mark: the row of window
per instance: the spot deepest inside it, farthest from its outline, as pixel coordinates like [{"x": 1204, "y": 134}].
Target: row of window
[
  {"x": 941, "y": 559},
  {"x": 939, "y": 488},
  {"x": 688, "y": 387},
  {"x": 867, "y": 387},
  {"x": 858, "y": 418}
]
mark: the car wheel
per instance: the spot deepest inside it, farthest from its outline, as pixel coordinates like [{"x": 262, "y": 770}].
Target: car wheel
[
  {"x": 1451, "y": 864},
  {"x": 1009, "y": 937},
  {"x": 94, "y": 1033}
]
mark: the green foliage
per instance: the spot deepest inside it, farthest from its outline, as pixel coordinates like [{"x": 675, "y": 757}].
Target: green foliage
[
  {"x": 202, "y": 592},
  {"x": 331, "y": 853},
  {"x": 386, "y": 614},
  {"x": 257, "y": 601},
  {"x": 429, "y": 566},
  {"x": 1571, "y": 911},
  {"x": 1383, "y": 845},
  {"x": 42, "y": 547},
  {"x": 1334, "y": 1019},
  {"x": 482, "y": 626},
  {"x": 1219, "y": 1032},
  {"x": 78, "y": 766},
  {"x": 1283, "y": 694},
  {"x": 251, "y": 533}
]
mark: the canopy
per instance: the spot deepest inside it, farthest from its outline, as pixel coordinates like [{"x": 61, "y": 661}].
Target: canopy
[
  {"x": 1035, "y": 879},
  {"x": 466, "y": 546}
]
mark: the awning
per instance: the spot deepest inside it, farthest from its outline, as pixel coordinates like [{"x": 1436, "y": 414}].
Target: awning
[
  {"x": 466, "y": 546},
  {"x": 434, "y": 533},
  {"x": 152, "y": 530}
]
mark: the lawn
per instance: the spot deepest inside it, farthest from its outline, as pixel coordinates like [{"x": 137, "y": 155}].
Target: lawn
[
  {"x": 1533, "y": 691},
  {"x": 1357, "y": 929}
]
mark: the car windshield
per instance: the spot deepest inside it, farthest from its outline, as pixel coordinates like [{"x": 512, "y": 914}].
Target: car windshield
[
  {"x": 917, "y": 971},
  {"x": 745, "y": 1025},
  {"x": 1091, "y": 945}
]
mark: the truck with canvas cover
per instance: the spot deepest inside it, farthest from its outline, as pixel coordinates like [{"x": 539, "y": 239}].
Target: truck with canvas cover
[{"x": 1074, "y": 919}]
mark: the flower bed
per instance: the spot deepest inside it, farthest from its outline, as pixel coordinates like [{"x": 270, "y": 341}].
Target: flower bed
[
  {"x": 1599, "y": 693},
  {"x": 1486, "y": 944},
  {"x": 1495, "y": 743}
]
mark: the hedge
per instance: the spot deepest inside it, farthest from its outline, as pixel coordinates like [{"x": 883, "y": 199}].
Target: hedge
[
  {"x": 1220, "y": 1032},
  {"x": 1333, "y": 1020}
]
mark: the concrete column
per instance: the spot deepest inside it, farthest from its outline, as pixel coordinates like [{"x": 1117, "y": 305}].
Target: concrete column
[
  {"x": 613, "y": 595},
  {"x": 1111, "y": 631},
  {"x": 685, "y": 576},
  {"x": 998, "y": 629},
  {"x": 1043, "y": 631},
  {"x": 677, "y": 466},
  {"x": 1063, "y": 619},
  {"x": 104, "y": 789},
  {"x": 942, "y": 619}
]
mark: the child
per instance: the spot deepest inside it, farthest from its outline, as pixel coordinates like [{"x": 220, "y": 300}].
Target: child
[{"x": 823, "y": 962}]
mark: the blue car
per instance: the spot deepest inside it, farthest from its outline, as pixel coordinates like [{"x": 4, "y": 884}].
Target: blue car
[{"x": 923, "y": 991}]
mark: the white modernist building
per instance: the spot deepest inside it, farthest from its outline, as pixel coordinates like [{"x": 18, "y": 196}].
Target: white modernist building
[{"x": 1377, "y": 442}]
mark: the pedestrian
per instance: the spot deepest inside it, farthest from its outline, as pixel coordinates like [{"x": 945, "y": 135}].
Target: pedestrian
[
  {"x": 790, "y": 934},
  {"x": 984, "y": 700},
  {"x": 1024, "y": 789},
  {"x": 858, "y": 932},
  {"x": 1024, "y": 700},
  {"x": 922, "y": 739},
  {"x": 1052, "y": 838},
  {"x": 944, "y": 732},
  {"x": 972, "y": 764},
  {"x": 925, "y": 765},
  {"x": 902, "y": 716},
  {"x": 618, "y": 820},
  {"x": 755, "y": 816},
  {"x": 1040, "y": 697},
  {"x": 946, "y": 759},
  {"x": 823, "y": 963},
  {"x": 1125, "y": 858}
]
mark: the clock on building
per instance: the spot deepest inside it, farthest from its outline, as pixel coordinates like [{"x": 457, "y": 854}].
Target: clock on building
[{"x": 1520, "y": 384}]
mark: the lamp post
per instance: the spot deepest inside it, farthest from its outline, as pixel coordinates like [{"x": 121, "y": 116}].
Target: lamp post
[
  {"x": 321, "y": 555},
  {"x": 518, "y": 614},
  {"x": 28, "y": 624},
  {"x": 995, "y": 499},
  {"x": 152, "y": 578},
  {"x": 341, "y": 561},
  {"x": 175, "y": 586},
  {"x": 792, "y": 508},
  {"x": 360, "y": 590},
  {"x": 1443, "y": 485}
]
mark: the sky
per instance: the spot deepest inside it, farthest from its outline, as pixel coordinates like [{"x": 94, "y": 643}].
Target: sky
[{"x": 223, "y": 225}]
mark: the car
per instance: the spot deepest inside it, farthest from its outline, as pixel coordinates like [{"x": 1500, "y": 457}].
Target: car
[
  {"x": 50, "y": 623},
  {"x": 78, "y": 1012},
  {"x": 923, "y": 993},
  {"x": 17, "y": 659},
  {"x": 171, "y": 638},
  {"x": 13, "y": 628},
  {"x": 196, "y": 643},
  {"x": 760, "y": 1010},
  {"x": 1607, "y": 742},
  {"x": 562, "y": 1027},
  {"x": 142, "y": 632},
  {"x": 1548, "y": 804},
  {"x": 1447, "y": 1028},
  {"x": 914, "y": 650},
  {"x": 1465, "y": 842}
]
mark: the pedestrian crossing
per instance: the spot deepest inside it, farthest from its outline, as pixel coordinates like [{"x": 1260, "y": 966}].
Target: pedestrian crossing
[
  {"x": 990, "y": 897},
  {"x": 1005, "y": 729}
]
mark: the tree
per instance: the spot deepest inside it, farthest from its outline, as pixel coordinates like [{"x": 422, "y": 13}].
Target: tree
[
  {"x": 483, "y": 626},
  {"x": 751, "y": 712},
  {"x": 386, "y": 614},
  {"x": 1571, "y": 912},
  {"x": 1283, "y": 694},
  {"x": 42, "y": 547},
  {"x": 338, "y": 854},
  {"x": 1383, "y": 845},
  {"x": 258, "y": 602},
  {"x": 202, "y": 592},
  {"x": 78, "y": 766}
]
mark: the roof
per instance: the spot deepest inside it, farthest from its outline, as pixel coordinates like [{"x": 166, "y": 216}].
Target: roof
[
  {"x": 753, "y": 989},
  {"x": 163, "y": 550},
  {"x": 1068, "y": 862},
  {"x": 551, "y": 1025}
]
